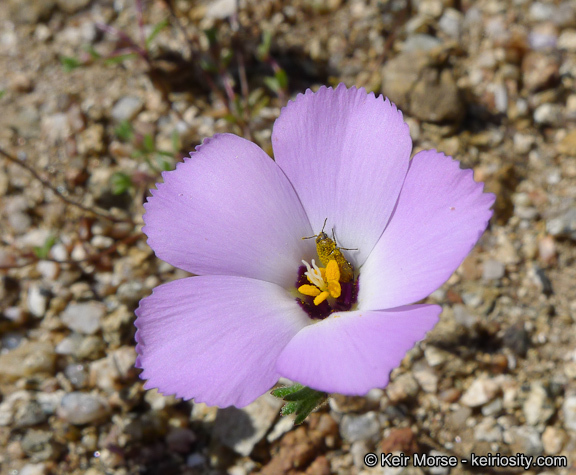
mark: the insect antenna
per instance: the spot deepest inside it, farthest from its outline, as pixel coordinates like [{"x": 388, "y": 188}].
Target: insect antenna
[
  {"x": 316, "y": 235},
  {"x": 344, "y": 248}
]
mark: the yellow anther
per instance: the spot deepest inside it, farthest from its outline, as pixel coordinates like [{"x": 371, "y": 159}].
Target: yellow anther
[
  {"x": 323, "y": 296},
  {"x": 334, "y": 288},
  {"x": 332, "y": 271},
  {"x": 310, "y": 290},
  {"x": 325, "y": 281}
]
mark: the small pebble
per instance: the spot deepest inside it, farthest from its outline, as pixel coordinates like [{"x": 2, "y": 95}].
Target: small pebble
[
  {"x": 69, "y": 345},
  {"x": 524, "y": 439},
  {"x": 567, "y": 40},
  {"x": 21, "y": 82},
  {"x": 548, "y": 114},
  {"x": 76, "y": 374},
  {"x": 427, "y": 380},
  {"x": 493, "y": 408},
  {"x": 37, "y": 301},
  {"x": 488, "y": 430},
  {"x": 517, "y": 338},
  {"x": 451, "y": 23},
  {"x": 180, "y": 440},
  {"x": 553, "y": 440},
  {"x": 10, "y": 340},
  {"x": 493, "y": 270},
  {"x": 480, "y": 392},
  {"x": 72, "y": 6},
  {"x": 563, "y": 225},
  {"x": 33, "y": 469},
  {"x": 195, "y": 460},
  {"x": 82, "y": 408},
  {"x": 438, "y": 470},
  {"x": 537, "y": 408},
  {"x": 540, "y": 11},
  {"x": 403, "y": 387},
  {"x": 363, "y": 427},
  {"x": 127, "y": 108},
  {"x": 463, "y": 317},
  {"x": 569, "y": 411},
  {"x": 242, "y": 429},
  {"x": 48, "y": 269},
  {"x": 85, "y": 318},
  {"x": 27, "y": 359}
]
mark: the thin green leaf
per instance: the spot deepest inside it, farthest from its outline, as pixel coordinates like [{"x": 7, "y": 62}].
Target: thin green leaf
[
  {"x": 272, "y": 83},
  {"x": 263, "y": 49},
  {"x": 238, "y": 106},
  {"x": 92, "y": 52},
  {"x": 254, "y": 111},
  {"x": 157, "y": 29},
  {"x": 164, "y": 153},
  {"x": 164, "y": 165},
  {"x": 231, "y": 118},
  {"x": 124, "y": 131},
  {"x": 226, "y": 56},
  {"x": 148, "y": 162},
  {"x": 302, "y": 394},
  {"x": 148, "y": 143},
  {"x": 120, "y": 182},
  {"x": 212, "y": 35},
  {"x": 208, "y": 66},
  {"x": 289, "y": 408},
  {"x": 304, "y": 409},
  {"x": 120, "y": 58},
  {"x": 175, "y": 137},
  {"x": 282, "y": 78},
  {"x": 285, "y": 390},
  {"x": 255, "y": 96},
  {"x": 43, "y": 251},
  {"x": 70, "y": 63}
]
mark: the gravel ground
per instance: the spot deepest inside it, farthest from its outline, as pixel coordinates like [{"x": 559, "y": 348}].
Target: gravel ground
[{"x": 490, "y": 82}]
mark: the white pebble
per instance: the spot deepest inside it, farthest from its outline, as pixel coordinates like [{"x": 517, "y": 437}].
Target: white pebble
[
  {"x": 84, "y": 317},
  {"x": 81, "y": 408}
]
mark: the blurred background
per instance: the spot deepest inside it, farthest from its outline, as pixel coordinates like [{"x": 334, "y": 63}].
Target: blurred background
[{"x": 97, "y": 97}]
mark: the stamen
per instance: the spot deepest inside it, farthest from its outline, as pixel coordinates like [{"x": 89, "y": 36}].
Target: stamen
[
  {"x": 314, "y": 274},
  {"x": 325, "y": 281},
  {"x": 310, "y": 290},
  {"x": 323, "y": 296}
]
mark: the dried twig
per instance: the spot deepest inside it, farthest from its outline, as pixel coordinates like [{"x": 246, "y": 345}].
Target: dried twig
[
  {"x": 90, "y": 258},
  {"x": 98, "y": 212},
  {"x": 244, "y": 88}
]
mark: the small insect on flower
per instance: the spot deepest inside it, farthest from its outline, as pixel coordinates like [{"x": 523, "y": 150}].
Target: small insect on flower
[{"x": 328, "y": 250}]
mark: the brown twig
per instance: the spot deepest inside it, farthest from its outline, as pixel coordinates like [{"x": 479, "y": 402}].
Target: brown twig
[
  {"x": 193, "y": 45},
  {"x": 228, "y": 97},
  {"x": 140, "y": 13},
  {"x": 123, "y": 36},
  {"x": 92, "y": 257},
  {"x": 98, "y": 212},
  {"x": 244, "y": 88}
]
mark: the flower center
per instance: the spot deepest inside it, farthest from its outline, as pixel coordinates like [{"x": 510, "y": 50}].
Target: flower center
[
  {"x": 325, "y": 282},
  {"x": 325, "y": 289}
]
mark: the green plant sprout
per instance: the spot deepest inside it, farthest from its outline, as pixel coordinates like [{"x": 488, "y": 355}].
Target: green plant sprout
[
  {"x": 279, "y": 82},
  {"x": 145, "y": 148},
  {"x": 43, "y": 251},
  {"x": 299, "y": 400}
]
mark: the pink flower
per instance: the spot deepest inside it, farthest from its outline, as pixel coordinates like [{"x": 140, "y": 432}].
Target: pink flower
[{"x": 236, "y": 218}]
